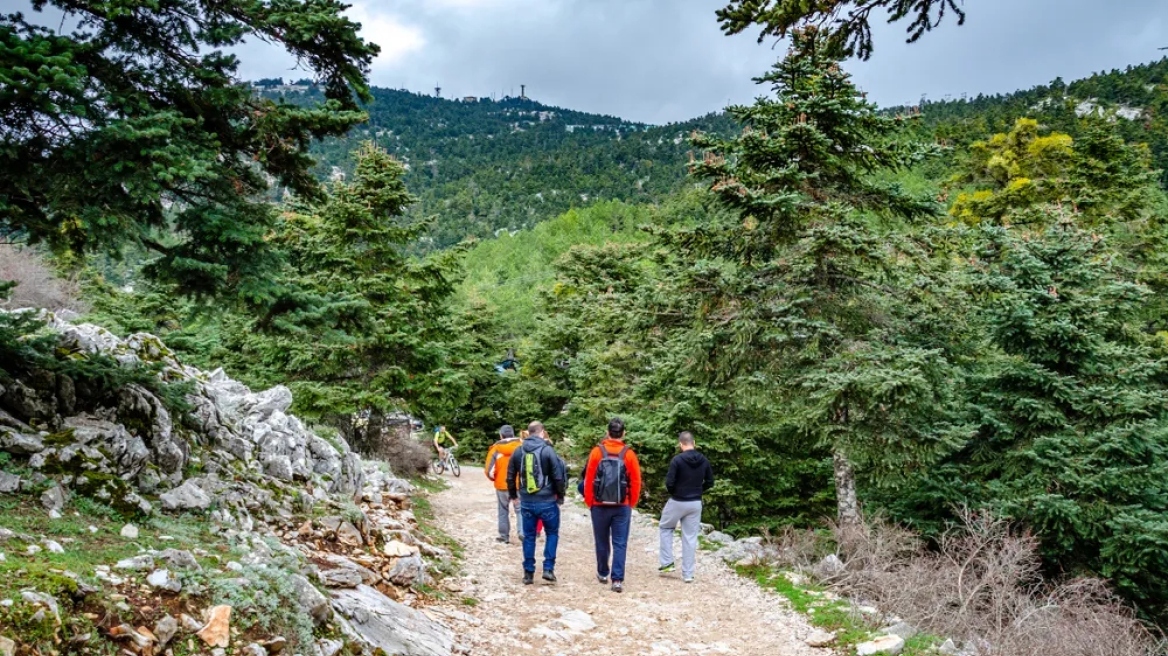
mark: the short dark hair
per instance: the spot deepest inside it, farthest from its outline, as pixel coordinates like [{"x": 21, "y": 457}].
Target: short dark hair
[
  {"x": 616, "y": 427},
  {"x": 686, "y": 438},
  {"x": 535, "y": 428}
]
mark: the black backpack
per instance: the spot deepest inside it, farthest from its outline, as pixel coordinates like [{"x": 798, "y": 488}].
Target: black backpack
[{"x": 610, "y": 487}]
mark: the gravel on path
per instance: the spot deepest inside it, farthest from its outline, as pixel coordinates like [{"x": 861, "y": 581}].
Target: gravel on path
[{"x": 657, "y": 615}]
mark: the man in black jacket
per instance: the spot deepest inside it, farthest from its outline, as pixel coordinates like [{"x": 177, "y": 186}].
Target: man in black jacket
[
  {"x": 689, "y": 476},
  {"x": 536, "y": 476}
]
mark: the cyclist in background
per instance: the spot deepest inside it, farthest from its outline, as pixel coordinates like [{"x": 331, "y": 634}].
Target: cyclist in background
[{"x": 442, "y": 440}]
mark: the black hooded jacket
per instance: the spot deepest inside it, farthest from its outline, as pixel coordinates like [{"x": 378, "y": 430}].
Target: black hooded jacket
[{"x": 689, "y": 475}]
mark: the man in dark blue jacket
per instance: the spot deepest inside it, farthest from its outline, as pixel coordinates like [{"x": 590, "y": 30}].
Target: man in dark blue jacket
[
  {"x": 690, "y": 474},
  {"x": 536, "y": 476}
]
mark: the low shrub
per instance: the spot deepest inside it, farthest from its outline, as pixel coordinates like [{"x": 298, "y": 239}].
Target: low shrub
[{"x": 981, "y": 584}]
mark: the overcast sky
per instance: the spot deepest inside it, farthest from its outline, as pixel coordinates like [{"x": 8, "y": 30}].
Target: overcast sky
[{"x": 666, "y": 60}]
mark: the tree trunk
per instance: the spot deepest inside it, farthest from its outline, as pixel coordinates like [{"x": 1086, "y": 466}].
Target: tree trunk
[{"x": 845, "y": 489}]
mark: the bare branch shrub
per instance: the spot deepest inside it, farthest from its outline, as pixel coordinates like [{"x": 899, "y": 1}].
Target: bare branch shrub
[
  {"x": 38, "y": 286},
  {"x": 981, "y": 584}
]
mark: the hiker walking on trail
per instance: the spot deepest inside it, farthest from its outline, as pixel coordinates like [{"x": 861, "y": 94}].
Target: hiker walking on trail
[
  {"x": 536, "y": 477},
  {"x": 690, "y": 474},
  {"x": 498, "y": 458},
  {"x": 612, "y": 487}
]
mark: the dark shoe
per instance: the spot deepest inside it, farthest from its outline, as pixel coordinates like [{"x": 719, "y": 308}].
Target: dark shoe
[
  {"x": 549, "y": 576},
  {"x": 603, "y": 579},
  {"x": 503, "y": 540},
  {"x": 618, "y": 586},
  {"x": 665, "y": 569},
  {"x": 528, "y": 578}
]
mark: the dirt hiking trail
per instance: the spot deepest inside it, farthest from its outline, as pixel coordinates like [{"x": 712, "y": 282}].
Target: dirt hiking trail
[{"x": 657, "y": 615}]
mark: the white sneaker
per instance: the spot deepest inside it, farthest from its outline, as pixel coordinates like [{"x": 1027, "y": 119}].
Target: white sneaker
[{"x": 688, "y": 579}]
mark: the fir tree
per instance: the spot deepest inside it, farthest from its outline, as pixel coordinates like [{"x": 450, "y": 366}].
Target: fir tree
[
  {"x": 801, "y": 296},
  {"x": 358, "y": 323},
  {"x": 131, "y": 128}
]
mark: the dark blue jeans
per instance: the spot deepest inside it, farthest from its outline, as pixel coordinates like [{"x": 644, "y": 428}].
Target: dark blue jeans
[
  {"x": 610, "y": 529},
  {"x": 549, "y": 512}
]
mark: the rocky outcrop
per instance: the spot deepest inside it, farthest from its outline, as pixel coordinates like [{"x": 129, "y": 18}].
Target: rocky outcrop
[
  {"x": 253, "y": 472},
  {"x": 378, "y": 624},
  {"x": 126, "y": 446}
]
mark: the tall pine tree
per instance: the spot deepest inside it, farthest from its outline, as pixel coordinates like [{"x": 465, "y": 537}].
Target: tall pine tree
[{"x": 805, "y": 307}]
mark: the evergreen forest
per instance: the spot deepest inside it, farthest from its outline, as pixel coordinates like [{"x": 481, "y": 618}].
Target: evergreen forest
[{"x": 903, "y": 312}]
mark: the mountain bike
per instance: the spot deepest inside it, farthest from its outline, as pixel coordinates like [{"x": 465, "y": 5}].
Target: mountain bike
[{"x": 440, "y": 465}]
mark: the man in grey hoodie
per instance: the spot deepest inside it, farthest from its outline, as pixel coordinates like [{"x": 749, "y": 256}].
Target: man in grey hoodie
[
  {"x": 535, "y": 476},
  {"x": 690, "y": 474}
]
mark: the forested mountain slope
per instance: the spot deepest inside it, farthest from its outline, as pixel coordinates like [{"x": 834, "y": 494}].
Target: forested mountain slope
[
  {"x": 481, "y": 165},
  {"x": 1135, "y": 99}
]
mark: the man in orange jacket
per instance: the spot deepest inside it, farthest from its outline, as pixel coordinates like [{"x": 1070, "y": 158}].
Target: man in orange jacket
[
  {"x": 612, "y": 487},
  {"x": 498, "y": 457}
]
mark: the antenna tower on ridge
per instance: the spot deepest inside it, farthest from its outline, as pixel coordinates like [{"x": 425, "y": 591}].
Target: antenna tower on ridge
[
  {"x": 438, "y": 91},
  {"x": 523, "y": 91}
]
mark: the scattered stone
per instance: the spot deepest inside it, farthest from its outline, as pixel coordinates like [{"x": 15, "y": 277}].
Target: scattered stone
[
  {"x": 276, "y": 645},
  {"x": 92, "y": 528},
  {"x": 311, "y": 601},
  {"x": 127, "y": 633},
  {"x": 136, "y": 564},
  {"x": 408, "y": 571},
  {"x": 255, "y": 649},
  {"x": 44, "y": 600},
  {"x": 376, "y": 623},
  {"x": 188, "y": 496},
  {"x": 7, "y": 647},
  {"x": 130, "y": 532},
  {"x": 54, "y": 514},
  {"x": 21, "y": 443},
  {"x": 949, "y": 648},
  {"x": 397, "y": 549},
  {"x": 9, "y": 483},
  {"x": 719, "y": 537},
  {"x": 573, "y": 621},
  {"x": 820, "y": 639},
  {"x": 189, "y": 624},
  {"x": 179, "y": 559},
  {"x": 342, "y": 577},
  {"x": 902, "y": 629},
  {"x": 165, "y": 630},
  {"x": 888, "y": 644},
  {"x": 54, "y": 547},
  {"x": 329, "y": 647},
  {"x": 162, "y": 580},
  {"x": 217, "y": 632},
  {"x": 53, "y": 499},
  {"x": 348, "y": 535},
  {"x": 830, "y": 567},
  {"x": 32, "y": 550}
]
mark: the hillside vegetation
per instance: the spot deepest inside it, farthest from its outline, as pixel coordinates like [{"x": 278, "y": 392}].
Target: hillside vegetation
[
  {"x": 481, "y": 166},
  {"x": 930, "y": 315}
]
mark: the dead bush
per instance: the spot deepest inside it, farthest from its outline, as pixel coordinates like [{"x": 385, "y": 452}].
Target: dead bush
[
  {"x": 37, "y": 286},
  {"x": 981, "y": 584}
]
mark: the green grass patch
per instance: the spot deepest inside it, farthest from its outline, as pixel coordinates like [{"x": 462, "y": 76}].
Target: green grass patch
[
  {"x": 835, "y": 615},
  {"x": 85, "y": 549},
  {"x": 424, "y": 513}
]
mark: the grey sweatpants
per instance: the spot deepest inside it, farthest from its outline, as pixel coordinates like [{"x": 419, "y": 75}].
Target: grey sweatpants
[
  {"x": 505, "y": 516},
  {"x": 689, "y": 515}
]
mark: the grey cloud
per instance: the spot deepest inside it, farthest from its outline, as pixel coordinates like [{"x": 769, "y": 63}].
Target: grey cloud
[{"x": 667, "y": 60}]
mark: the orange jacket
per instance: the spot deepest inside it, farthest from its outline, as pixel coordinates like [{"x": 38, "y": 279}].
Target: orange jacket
[
  {"x": 498, "y": 456},
  {"x": 631, "y": 464}
]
